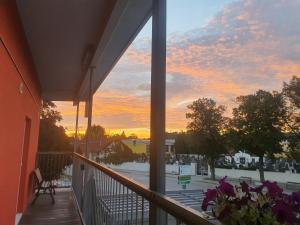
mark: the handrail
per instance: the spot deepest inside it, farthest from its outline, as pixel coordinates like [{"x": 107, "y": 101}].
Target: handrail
[
  {"x": 182, "y": 212},
  {"x": 54, "y": 153}
]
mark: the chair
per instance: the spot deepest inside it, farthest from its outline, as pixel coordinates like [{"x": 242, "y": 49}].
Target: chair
[{"x": 42, "y": 185}]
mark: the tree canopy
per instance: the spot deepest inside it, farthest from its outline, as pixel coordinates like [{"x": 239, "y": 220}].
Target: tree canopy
[
  {"x": 291, "y": 92},
  {"x": 97, "y": 133},
  {"x": 258, "y": 121},
  {"x": 206, "y": 126},
  {"x": 183, "y": 143},
  {"x": 52, "y": 138},
  {"x": 119, "y": 153}
]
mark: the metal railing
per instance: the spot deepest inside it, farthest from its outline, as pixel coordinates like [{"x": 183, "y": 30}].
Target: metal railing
[
  {"x": 106, "y": 197},
  {"x": 56, "y": 167}
]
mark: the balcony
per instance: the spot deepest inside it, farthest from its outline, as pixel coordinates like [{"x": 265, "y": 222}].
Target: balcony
[{"x": 95, "y": 194}]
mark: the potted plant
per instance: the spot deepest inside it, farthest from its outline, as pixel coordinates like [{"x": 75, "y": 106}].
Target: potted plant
[{"x": 266, "y": 204}]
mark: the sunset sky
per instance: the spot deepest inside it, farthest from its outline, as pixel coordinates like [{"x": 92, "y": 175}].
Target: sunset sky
[{"x": 215, "y": 48}]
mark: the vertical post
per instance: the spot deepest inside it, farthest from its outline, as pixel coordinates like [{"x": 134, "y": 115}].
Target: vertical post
[
  {"x": 158, "y": 102},
  {"x": 76, "y": 128},
  {"x": 90, "y": 111}
]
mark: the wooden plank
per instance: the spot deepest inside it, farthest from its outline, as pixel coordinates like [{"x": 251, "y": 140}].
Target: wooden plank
[{"x": 43, "y": 212}]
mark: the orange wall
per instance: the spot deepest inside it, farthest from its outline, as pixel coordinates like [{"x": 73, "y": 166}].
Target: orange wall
[{"x": 16, "y": 68}]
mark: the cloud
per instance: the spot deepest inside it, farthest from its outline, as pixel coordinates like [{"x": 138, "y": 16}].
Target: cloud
[{"x": 249, "y": 45}]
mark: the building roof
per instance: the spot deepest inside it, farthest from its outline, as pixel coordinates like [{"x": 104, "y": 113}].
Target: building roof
[{"x": 68, "y": 37}]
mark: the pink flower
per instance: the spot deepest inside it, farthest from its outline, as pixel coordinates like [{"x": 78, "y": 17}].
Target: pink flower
[
  {"x": 283, "y": 212},
  {"x": 296, "y": 197},
  {"x": 226, "y": 188},
  {"x": 273, "y": 188},
  {"x": 210, "y": 196}
]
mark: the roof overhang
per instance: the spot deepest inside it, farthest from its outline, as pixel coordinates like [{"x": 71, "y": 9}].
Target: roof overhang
[{"x": 67, "y": 37}]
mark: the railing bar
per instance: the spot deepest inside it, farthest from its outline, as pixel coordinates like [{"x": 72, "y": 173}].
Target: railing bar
[
  {"x": 96, "y": 211},
  {"x": 105, "y": 193},
  {"x": 113, "y": 201},
  {"x": 127, "y": 216},
  {"x": 109, "y": 190},
  {"x": 136, "y": 208},
  {"x": 55, "y": 153},
  {"x": 56, "y": 159},
  {"x": 64, "y": 162},
  {"x": 54, "y": 165},
  {"x": 142, "y": 210},
  {"x": 116, "y": 202},
  {"x": 101, "y": 217},
  {"x": 186, "y": 214},
  {"x": 131, "y": 207},
  {"x": 123, "y": 203},
  {"x": 101, "y": 180},
  {"x": 119, "y": 202},
  {"x": 117, "y": 205},
  {"x": 60, "y": 158},
  {"x": 101, "y": 183},
  {"x": 49, "y": 165}
]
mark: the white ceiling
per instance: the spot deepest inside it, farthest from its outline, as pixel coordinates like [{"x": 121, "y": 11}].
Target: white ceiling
[{"x": 66, "y": 36}]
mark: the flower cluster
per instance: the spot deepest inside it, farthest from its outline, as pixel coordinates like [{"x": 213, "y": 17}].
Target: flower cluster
[{"x": 266, "y": 204}]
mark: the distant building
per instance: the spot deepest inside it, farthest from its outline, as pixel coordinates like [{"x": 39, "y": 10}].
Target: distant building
[
  {"x": 242, "y": 158},
  {"x": 137, "y": 145},
  {"x": 143, "y": 146}
]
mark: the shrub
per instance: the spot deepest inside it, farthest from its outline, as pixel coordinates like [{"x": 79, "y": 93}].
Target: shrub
[{"x": 245, "y": 205}]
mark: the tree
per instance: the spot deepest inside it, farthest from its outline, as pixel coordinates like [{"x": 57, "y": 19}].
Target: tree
[
  {"x": 97, "y": 133},
  {"x": 207, "y": 127},
  {"x": 258, "y": 122},
  {"x": 291, "y": 92},
  {"x": 119, "y": 154},
  {"x": 132, "y": 136},
  {"x": 181, "y": 144},
  {"x": 52, "y": 138}
]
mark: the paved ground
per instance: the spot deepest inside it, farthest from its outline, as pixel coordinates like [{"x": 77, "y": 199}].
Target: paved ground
[{"x": 198, "y": 182}]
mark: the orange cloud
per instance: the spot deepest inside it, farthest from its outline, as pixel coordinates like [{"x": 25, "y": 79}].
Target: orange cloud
[{"x": 246, "y": 46}]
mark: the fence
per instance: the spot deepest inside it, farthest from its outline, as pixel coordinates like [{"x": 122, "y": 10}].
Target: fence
[
  {"x": 107, "y": 197},
  {"x": 56, "y": 167}
]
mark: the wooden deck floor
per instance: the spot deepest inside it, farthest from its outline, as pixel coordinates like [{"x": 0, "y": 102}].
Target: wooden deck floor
[{"x": 63, "y": 212}]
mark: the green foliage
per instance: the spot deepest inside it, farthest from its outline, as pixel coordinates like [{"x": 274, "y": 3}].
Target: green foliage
[
  {"x": 206, "y": 127},
  {"x": 119, "y": 154},
  {"x": 291, "y": 92},
  {"x": 52, "y": 138},
  {"x": 258, "y": 123},
  {"x": 183, "y": 143},
  {"x": 97, "y": 132}
]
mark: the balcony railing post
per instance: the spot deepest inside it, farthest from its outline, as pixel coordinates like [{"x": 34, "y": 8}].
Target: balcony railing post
[
  {"x": 76, "y": 128},
  {"x": 158, "y": 101},
  {"x": 90, "y": 112}
]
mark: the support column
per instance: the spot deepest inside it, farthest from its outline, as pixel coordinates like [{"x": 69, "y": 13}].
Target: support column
[
  {"x": 76, "y": 128},
  {"x": 158, "y": 102},
  {"x": 90, "y": 111}
]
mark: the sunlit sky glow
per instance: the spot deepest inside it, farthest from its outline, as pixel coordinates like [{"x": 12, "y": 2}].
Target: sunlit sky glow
[{"x": 218, "y": 49}]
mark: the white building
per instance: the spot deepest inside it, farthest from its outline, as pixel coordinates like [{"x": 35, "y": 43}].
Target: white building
[{"x": 242, "y": 158}]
